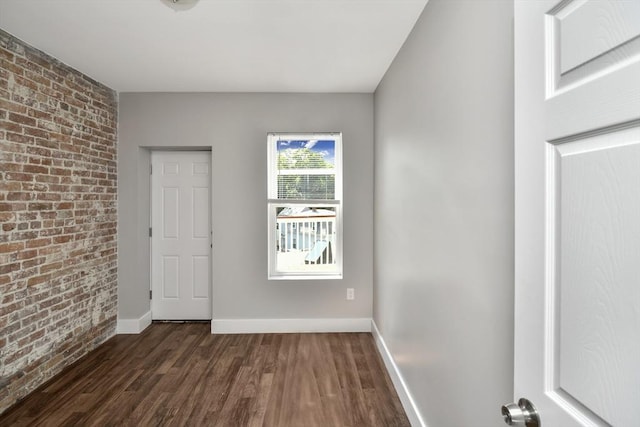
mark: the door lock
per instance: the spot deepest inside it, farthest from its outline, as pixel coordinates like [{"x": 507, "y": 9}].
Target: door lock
[{"x": 521, "y": 414}]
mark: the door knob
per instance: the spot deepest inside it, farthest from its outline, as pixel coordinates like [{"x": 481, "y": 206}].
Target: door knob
[{"x": 521, "y": 414}]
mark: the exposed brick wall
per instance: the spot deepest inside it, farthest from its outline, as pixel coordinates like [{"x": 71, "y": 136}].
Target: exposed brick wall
[{"x": 58, "y": 178}]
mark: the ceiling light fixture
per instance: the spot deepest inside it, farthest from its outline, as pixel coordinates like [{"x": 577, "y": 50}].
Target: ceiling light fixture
[{"x": 180, "y": 5}]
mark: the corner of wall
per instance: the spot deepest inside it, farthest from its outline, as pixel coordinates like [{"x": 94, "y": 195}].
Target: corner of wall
[
  {"x": 409, "y": 405},
  {"x": 133, "y": 326}
]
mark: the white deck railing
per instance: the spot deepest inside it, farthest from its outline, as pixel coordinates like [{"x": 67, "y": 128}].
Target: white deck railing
[{"x": 315, "y": 236}]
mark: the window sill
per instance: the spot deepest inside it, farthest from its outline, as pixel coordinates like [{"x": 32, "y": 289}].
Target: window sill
[{"x": 306, "y": 277}]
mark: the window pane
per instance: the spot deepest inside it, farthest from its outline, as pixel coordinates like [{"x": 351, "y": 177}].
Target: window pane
[
  {"x": 309, "y": 187},
  {"x": 306, "y": 169},
  {"x": 306, "y": 154},
  {"x": 305, "y": 239}
]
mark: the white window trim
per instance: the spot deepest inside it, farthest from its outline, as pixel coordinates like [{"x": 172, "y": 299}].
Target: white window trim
[{"x": 273, "y": 202}]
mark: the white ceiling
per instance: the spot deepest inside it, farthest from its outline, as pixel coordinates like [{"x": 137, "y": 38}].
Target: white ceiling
[{"x": 219, "y": 45}]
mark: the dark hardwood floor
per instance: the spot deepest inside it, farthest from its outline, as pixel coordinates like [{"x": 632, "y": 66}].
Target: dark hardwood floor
[{"x": 180, "y": 374}]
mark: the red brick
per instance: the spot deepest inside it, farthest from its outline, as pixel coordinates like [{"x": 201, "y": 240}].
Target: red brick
[
  {"x": 24, "y": 235},
  {"x": 8, "y": 268},
  {"x": 63, "y": 239},
  {"x": 11, "y": 247},
  {"x": 33, "y": 262},
  {"x": 5, "y": 54},
  {"x": 12, "y": 207},
  {"x": 47, "y": 143},
  {"x": 40, "y": 206},
  {"x": 37, "y": 58},
  {"x": 16, "y": 137},
  {"x": 26, "y": 83},
  {"x": 22, "y": 119},
  {"x": 49, "y": 179},
  {"x": 12, "y": 167},
  {"x": 48, "y": 250},
  {"x": 64, "y": 205},
  {"x": 36, "y": 132},
  {"x": 27, "y": 216},
  {"x": 37, "y": 78},
  {"x": 60, "y": 171},
  {"x": 38, "y": 243},
  {"x": 50, "y": 302},
  {"x": 8, "y": 226},
  {"x": 47, "y": 229},
  {"x": 49, "y": 196},
  {"x": 32, "y": 281},
  {"x": 10, "y": 186},
  {"x": 11, "y": 126},
  {"x": 16, "y": 176},
  {"x": 39, "y": 151},
  {"x": 35, "y": 169},
  {"x": 17, "y": 355},
  {"x": 50, "y": 267},
  {"x": 58, "y": 186},
  {"x": 11, "y": 68},
  {"x": 27, "y": 254},
  {"x": 19, "y": 196}
]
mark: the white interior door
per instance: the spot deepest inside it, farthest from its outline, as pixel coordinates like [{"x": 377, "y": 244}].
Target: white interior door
[
  {"x": 577, "y": 319},
  {"x": 181, "y": 235}
]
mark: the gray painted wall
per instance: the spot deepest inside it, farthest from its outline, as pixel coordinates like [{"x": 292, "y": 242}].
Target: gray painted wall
[
  {"x": 443, "y": 275},
  {"x": 235, "y": 127}
]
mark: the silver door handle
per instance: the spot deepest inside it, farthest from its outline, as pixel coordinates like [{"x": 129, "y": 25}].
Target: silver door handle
[{"x": 521, "y": 414}]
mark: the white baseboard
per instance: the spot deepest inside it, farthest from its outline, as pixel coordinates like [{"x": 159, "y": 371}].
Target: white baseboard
[
  {"x": 133, "y": 326},
  {"x": 268, "y": 326},
  {"x": 408, "y": 403}
]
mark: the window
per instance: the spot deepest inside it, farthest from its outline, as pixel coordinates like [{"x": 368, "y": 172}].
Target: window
[{"x": 305, "y": 206}]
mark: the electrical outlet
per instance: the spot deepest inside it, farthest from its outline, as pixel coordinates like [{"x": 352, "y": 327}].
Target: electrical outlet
[{"x": 351, "y": 294}]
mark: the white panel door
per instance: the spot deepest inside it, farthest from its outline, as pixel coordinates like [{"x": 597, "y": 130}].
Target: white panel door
[
  {"x": 181, "y": 235},
  {"x": 577, "y": 154}
]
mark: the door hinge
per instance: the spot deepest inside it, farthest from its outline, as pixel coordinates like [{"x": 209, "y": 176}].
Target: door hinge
[
  {"x": 150, "y": 294},
  {"x": 150, "y": 232}
]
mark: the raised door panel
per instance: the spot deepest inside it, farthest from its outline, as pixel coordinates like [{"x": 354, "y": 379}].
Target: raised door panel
[{"x": 594, "y": 297}]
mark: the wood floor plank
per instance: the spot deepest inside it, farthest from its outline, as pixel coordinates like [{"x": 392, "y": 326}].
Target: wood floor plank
[
  {"x": 181, "y": 375},
  {"x": 262, "y": 398}
]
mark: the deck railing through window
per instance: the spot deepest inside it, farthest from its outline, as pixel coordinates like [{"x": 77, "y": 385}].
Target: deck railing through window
[{"x": 315, "y": 237}]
